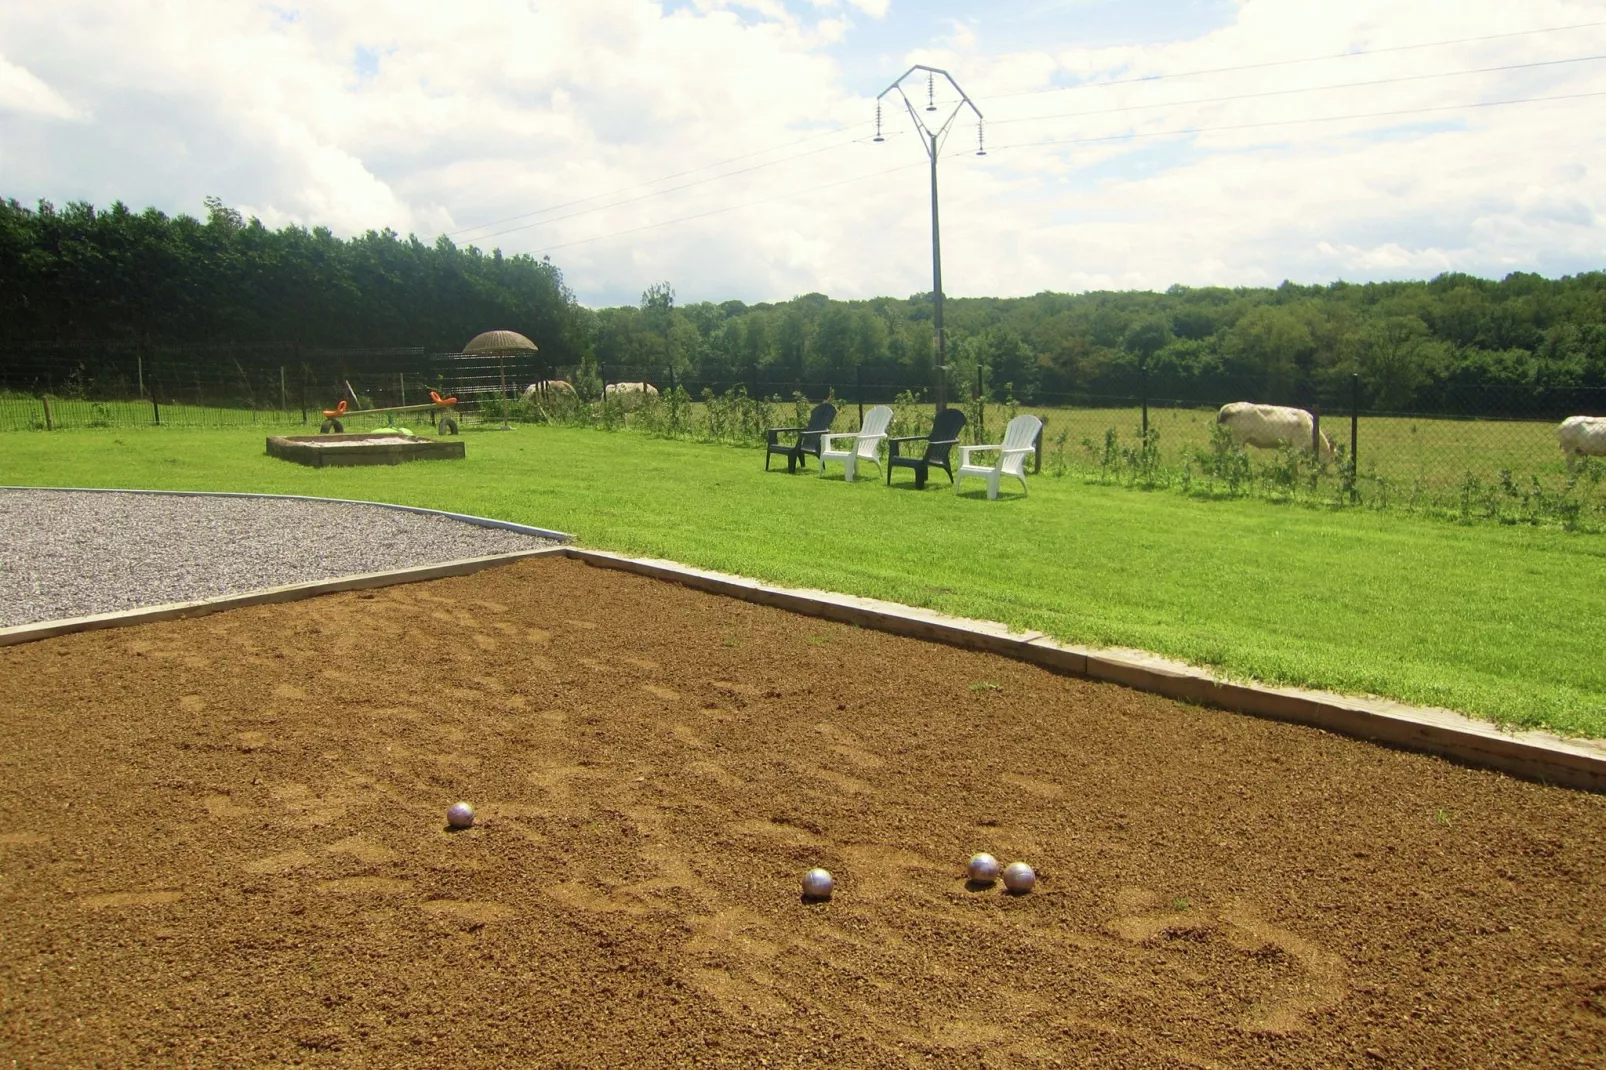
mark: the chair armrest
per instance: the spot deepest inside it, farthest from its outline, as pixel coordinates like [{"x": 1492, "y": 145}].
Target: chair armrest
[
  {"x": 1022, "y": 449},
  {"x": 784, "y": 430},
  {"x": 966, "y": 451},
  {"x": 909, "y": 438},
  {"x": 827, "y": 436},
  {"x": 944, "y": 442}
]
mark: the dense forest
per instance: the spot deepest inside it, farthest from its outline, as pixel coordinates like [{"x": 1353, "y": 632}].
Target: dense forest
[
  {"x": 77, "y": 275},
  {"x": 1521, "y": 345}
]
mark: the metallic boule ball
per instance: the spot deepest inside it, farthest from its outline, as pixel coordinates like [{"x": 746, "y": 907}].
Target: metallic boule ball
[
  {"x": 983, "y": 868},
  {"x": 460, "y": 815},
  {"x": 818, "y": 883},
  {"x": 1019, "y": 878}
]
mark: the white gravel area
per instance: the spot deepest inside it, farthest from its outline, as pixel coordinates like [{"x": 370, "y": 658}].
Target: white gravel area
[{"x": 72, "y": 553}]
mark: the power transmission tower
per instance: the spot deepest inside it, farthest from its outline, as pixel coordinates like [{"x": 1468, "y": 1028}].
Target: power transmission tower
[{"x": 932, "y": 139}]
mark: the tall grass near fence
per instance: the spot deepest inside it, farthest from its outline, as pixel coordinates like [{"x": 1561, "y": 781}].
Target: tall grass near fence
[{"x": 1508, "y": 471}]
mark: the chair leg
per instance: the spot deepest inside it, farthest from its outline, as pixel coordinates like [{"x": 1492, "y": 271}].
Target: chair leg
[
  {"x": 848, "y": 467},
  {"x": 992, "y": 487}
]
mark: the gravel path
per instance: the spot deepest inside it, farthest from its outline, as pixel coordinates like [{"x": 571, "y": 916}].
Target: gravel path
[{"x": 68, "y": 554}]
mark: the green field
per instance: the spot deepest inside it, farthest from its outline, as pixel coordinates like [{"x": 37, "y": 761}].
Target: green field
[
  {"x": 1495, "y": 469},
  {"x": 1499, "y": 621}
]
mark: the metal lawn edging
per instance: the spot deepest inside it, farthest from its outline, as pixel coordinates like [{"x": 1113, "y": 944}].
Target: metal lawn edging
[{"x": 1531, "y": 755}]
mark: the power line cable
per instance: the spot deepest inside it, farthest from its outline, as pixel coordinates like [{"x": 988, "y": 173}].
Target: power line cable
[
  {"x": 659, "y": 193},
  {"x": 1030, "y": 92},
  {"x": 664, "y": 178},
  {"x": 1288, "y": 62},
  {"x": 1308, "y": 89},
  {"x": 1069, "y": 141},
  {"x": 1296, "y": 122},
  {"x": 732, "y": 207}
]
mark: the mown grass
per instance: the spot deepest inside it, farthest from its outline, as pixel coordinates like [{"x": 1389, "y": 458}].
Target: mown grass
[{"x": 1501, "y": 622}]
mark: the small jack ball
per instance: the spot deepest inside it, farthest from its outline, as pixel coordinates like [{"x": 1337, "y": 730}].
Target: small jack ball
[
  {"x": 818, "y": 884},
  {"x": 460, "y": 816},
  {"x": 1019, "y": 878},
  {"x": 983, "y": 868}
]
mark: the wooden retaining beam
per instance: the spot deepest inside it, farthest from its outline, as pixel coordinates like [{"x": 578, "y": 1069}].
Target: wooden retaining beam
[
  {"x": 293, "y": 592},
  {"x": 1532, "y": 755}
]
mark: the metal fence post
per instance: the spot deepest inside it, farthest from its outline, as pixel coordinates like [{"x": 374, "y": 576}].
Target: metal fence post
[
  {"x": 1316, "y": 430},
  {"x": 1143, "y": 394},
  {"x": 858, "y": 389},
  {"x": 156, "y": 409},
  {"x": 45, "y": 401},
  {"x": 1354, "y": 436}
]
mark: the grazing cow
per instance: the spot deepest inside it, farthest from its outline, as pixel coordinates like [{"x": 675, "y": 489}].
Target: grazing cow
[
  {"x": 1271, "y": 426},
  {"x": 630, "y": 394},
  {"x": 548, "y": 388},
  {"x": 1582, "y": 436}
]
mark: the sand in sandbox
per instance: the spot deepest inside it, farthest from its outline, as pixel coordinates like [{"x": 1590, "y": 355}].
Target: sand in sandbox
[{"x": 223, "y": 841}]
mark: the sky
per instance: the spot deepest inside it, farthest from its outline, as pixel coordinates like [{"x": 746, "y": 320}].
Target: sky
[{"x": 728, "y": 146}]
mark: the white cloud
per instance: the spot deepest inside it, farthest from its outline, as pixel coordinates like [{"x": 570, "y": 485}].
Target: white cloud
[
  {"x": 22, "y": 91},
  {"x": 468, "y": 118}
]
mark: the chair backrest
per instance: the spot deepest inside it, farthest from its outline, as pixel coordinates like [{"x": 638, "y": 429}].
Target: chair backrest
[
  {"x": 821, "y": 418},
  {"x": 1019, "y": 434},
  {"x": 876, "y": 422},
  {"x": 945, "y": 428}
]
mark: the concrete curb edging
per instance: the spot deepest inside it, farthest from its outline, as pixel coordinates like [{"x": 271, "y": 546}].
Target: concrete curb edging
[
  {"x": 478, "y": 521},
  {"x": 1539, "y": 756},
  {"x": 27, "y": 633}
]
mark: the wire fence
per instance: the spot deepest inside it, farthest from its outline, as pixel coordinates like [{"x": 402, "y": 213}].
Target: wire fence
[{"x": 1507, "y": 467}]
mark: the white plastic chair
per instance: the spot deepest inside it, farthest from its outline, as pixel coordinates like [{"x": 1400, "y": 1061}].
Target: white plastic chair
[
  {"x": 1012, "y": 452},
  {"x": 866, "y": 443}
]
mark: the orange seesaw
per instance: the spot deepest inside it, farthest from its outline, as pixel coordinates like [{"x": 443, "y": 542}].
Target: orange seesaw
[{"x": 446, "y": 425}]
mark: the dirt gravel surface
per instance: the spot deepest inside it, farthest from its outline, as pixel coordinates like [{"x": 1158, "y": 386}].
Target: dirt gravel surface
[
  {"x": 223, "y": 842},
  {"x": 70, "y": 553}
]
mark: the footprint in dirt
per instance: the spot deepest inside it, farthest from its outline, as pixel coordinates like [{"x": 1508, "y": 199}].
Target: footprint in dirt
[{"x": 1241, "y": 929}]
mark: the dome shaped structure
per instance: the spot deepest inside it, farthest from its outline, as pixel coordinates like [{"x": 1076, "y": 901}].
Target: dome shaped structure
[{"x": 499, "y": 344}]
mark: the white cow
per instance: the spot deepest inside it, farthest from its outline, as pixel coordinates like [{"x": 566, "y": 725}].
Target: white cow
[
  {"x": 633, "y": 388},
  {"x": 630, "y": 394},
  {"x": 1271, "y": 426},
  {"x": 548, "y": 387},
  {"x": 1582, "y": 436}
]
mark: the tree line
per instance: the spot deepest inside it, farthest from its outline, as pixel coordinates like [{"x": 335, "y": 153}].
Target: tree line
[
  {"x": 1522, "y": 345},
  {"x": 76, "y": 275}
]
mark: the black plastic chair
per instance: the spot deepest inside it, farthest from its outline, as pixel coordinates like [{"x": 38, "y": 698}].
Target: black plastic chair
[
  {"x": 807, "y": 442},
  {"x": 943, "y": 438}
]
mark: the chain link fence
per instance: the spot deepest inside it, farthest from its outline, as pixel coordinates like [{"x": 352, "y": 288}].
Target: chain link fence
[{"x": 1503, "y": 464}]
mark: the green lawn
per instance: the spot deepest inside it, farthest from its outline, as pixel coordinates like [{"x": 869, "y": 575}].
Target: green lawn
[{"x": 1502, "y": 622}]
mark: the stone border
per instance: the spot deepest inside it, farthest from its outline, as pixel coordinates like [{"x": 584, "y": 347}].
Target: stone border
[{"x": 1541, "y": 756}]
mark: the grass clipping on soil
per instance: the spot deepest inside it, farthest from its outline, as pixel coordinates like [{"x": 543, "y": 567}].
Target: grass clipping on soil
[{"x": 224, "y": 840}]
